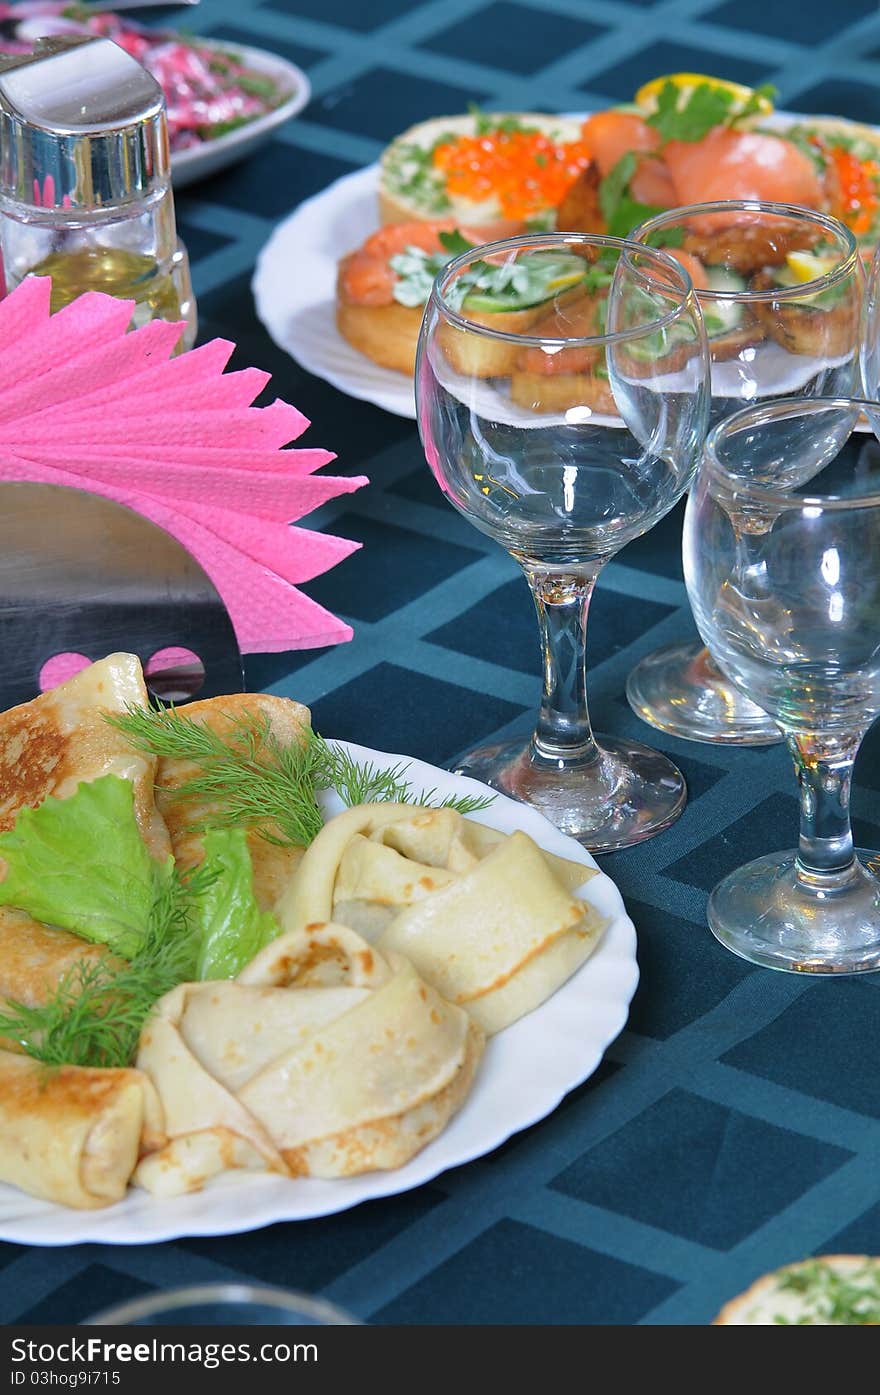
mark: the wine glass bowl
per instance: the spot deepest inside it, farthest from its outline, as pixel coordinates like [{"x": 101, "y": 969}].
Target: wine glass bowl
[
  {"x": 782, "y": 566},
  {"x": 781, "y": 291},
  {"x": 545, "y": 426}
]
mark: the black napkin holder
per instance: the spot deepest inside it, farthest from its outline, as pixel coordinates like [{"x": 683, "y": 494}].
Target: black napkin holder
[{"x": 81, "y": 574}]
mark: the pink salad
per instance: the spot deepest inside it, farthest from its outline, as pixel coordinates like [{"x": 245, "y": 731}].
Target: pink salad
[{"x": 208, "y": 90}]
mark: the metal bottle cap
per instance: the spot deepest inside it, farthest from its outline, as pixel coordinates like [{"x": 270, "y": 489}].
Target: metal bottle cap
[{"x": 82, "y": 125}]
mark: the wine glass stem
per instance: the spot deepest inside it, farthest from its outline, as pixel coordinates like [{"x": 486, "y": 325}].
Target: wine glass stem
[
  {"x": 563, "y": 732},
  {"x": 824, "y": 768}
]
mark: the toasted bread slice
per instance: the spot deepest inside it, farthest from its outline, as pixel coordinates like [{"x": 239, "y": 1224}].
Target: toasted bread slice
[
  {"x": 541, "y": 393},
  {"x": 806, "y": 329},
  {"x": 273, "y": 864},
  {"x": 829, "y": 1291},
  {"x": 60, "y": 740},
  {"x": 748, "y": 248},
  {"x": 399, "y": 198},
  {"x": 484, "y": 356},
  {"x": 388, "y": 334}
]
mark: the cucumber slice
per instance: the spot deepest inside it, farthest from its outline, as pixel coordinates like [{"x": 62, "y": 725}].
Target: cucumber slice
[
  {"x": 723, "y": 316},
  {"x": 498, "y": 304},
  {"x": 531, "y": 281}
]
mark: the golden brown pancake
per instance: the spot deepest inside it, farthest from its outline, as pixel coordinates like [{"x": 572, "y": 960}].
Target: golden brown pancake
[
  {"x": 59, "y": 740},
  {"x": 272, "y": 865},
  {"x": 34, "y": 958},
  {"x": 73, "y": 1134}
]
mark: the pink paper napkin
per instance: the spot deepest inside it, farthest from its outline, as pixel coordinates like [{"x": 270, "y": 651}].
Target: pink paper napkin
[{"x": 85, "y": 403}]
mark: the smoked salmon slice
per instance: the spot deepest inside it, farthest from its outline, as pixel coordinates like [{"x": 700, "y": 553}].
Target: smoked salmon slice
[
  {"x": 609, "y": 135},
  {"x": 729, "y": 164}
]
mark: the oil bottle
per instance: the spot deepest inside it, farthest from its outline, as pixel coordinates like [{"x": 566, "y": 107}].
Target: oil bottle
[{"x": 85, "y": 179}]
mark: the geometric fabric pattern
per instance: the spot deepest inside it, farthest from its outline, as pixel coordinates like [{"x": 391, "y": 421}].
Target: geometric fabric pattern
[{"x": 735, "y": 1124}]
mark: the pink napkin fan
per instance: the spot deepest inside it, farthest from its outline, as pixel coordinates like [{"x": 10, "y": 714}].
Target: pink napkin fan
[{"x": 85, "y": 403}]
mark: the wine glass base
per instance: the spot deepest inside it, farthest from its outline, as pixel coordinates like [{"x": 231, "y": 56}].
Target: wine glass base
[
  {"x": 679, "y": 690},
  {"x": 763, "y": 914},
  {"x": 628, "y": 794}
]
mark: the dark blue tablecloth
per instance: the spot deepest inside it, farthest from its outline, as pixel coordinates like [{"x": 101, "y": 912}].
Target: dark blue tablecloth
[{"x": 735, "y": 1125}]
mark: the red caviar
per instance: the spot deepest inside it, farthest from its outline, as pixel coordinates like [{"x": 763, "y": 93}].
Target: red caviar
[
  {"x": 525, "y": 171},
  {"x": 857, "y": 182}
]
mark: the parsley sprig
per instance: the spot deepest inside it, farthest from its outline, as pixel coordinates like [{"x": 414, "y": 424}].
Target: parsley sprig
[
  {"x": 705, "y": 105},
  {"x": 622, "y": 212}
]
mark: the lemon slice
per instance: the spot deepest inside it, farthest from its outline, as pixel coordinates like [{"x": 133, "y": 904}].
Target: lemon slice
[
  {"x": 806, "y": 266},
  {"x": 646, "y": 97},
  {"x": 563, "y": 283}
]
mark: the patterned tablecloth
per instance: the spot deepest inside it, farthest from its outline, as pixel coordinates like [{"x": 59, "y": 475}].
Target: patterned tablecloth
[{"x": 735, "y": 1125}]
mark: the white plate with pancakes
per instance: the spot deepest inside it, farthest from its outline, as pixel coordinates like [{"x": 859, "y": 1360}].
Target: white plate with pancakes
[{"x": 525, "y": 1072}]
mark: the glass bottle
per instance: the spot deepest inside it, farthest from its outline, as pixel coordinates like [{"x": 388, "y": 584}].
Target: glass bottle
[{"x": 85, "y": 180}]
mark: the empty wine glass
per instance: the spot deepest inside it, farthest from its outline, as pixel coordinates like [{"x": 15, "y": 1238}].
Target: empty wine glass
[
  {"x": 223, "y": 1305},
  {"x": 781, "y": 292},
  {"x": 870, "y": 356},
  {"x": 562, "y": 393},
  {"x": 782, "y": 564}
]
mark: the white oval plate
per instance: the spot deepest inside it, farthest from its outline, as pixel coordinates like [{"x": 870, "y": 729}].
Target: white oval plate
[
  {"x": 212, "y": 155},
  {"x": 525, "y": 1072},
  {"x": 294, "y": 285}
]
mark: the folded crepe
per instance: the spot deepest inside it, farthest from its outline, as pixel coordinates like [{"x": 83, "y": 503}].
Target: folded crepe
[
  {"x": 324, "y": 1058},
  {"x": 59, "y": 740},
  {"x": 72, "y": 1134},
  {"x": 287, "y": 722},
  {"x": 34, "y": 958},
  {"x": 487, "y": 918}
]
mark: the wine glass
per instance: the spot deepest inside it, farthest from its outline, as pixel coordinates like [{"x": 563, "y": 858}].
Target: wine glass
[
  {"x": 562, "y": 395},
  {"x": 782, "y": 565},
  {"x": 781, "y": 293},
  {"x": 224, "y": 1305},
  {"x": 870, "y": 356}
]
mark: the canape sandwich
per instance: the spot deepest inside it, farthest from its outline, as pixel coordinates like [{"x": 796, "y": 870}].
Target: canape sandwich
[
  {"x": 383, "y": 287},
  {"x": 830, "y": 1291},
  {"x": 504, "y": 172}
]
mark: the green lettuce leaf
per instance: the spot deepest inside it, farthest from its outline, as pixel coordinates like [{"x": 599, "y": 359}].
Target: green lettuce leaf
[
  {"x": 81, "y": 864},
  {"x": 229, "y": 924}
]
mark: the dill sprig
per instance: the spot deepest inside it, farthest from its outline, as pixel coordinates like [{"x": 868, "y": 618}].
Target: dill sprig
[
  {"x": 248, "y": 776},
  {"x": 358, "y": 782},
  {"x": 830, "y": 1297},
  {"x": 95, "y": 1015},
  {"x": 254, "y": 781}
]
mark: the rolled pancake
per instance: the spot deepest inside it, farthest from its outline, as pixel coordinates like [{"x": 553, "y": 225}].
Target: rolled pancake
[
  {"x": 59, "y": 740},
  {"x": 488, "y": 919},
  {"x": 324, "y": 1058},
  {"x": 272, "y": 863},
  {"x": 72, "y": 1134},
  {"x": 34, "y": 958}
]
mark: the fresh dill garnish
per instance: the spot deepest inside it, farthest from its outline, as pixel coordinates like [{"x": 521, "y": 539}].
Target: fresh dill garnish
[
  {"x": 254, "y": 781},
  {"x": 358, "y": 782},
  {"x": 95, "y": 1015},
  {"x": 249, "y": 777},
  {"x": 830, "y": 1297}
]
